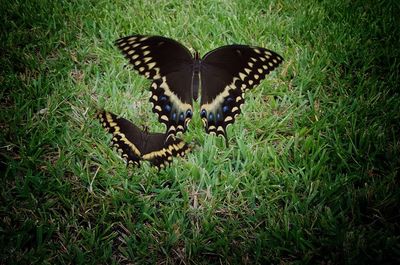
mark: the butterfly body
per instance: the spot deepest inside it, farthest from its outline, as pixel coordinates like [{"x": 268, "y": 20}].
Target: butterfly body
[
  {"x": 135, "y": 145},
  {"x": 196, "y": 75},
  {"x": 222, "y": 77}
]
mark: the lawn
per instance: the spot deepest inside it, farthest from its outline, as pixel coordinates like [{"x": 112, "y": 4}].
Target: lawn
[{"x": 310, "y": 175}]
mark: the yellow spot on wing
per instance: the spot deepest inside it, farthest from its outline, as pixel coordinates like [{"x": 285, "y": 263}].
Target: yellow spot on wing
[
  {"x": 221, "y": 129},
  {"x": 229, "y": 118},
  {"x": 147, "y": 59}
]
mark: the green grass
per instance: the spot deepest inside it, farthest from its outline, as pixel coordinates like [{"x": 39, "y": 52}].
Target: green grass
[{"x": 310, "y": 174}]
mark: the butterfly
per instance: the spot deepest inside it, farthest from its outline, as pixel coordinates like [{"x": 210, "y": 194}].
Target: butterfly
[
  {"x": 136, "y": 145},
  {"x": 224, "y": 75}
]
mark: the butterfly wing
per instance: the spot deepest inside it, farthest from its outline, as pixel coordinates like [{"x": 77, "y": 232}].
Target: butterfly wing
[
  {"x": 172, "y": 109},
  {"x": 135, "y": 145},
  {"x": 226, "y": 73},
  {"x": 170, "y": 65},
  {"x": 126, "y": 136},
  {"x": 160, "y": 150}
]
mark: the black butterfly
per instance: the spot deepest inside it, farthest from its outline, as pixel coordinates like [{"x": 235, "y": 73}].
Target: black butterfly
[
  {"x": 224, "y": 75},
  {"x": 135, "y": 145}
]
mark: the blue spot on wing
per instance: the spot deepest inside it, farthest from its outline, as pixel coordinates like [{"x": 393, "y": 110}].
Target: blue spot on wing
[
  {"x": 219, "y": 116},
  {"x": 203, "y": 113},
  {"x": 229, "y": 100},
  {"x": 189, "y": 113}
]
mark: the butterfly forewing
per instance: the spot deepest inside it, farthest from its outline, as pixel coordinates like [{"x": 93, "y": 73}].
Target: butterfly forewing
[
  {"x": 169, "y": 64},
  {"x": 126, "y": 136},
  {"x": 155, "y": 54},
  {"x": 226, "y": 73},
  {"x": 135, "y": 145}
]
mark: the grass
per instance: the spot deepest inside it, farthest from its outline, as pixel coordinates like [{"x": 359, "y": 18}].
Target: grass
[{"x": 310, "y": 175}]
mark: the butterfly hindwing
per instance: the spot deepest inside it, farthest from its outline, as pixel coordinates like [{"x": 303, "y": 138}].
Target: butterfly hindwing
[
  {"x": 169, "y": 107},
  {"x": 169, "y": 64},
  {"x": 135, "y": 145},
  {"x": 227, "y": 73},
  {"x": 222, "y": 111},
  {"x": 162, "y": 157}
]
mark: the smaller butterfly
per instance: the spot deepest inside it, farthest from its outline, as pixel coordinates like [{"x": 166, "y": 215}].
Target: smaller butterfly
[
  {"x": 134, "y": 144},
  {"x": 223, "y": 74}
]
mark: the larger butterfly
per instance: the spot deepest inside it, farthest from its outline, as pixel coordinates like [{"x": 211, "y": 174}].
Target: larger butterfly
[
  {"x": 135, "y": 145},
  {"x": 224, "y": 75}
]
